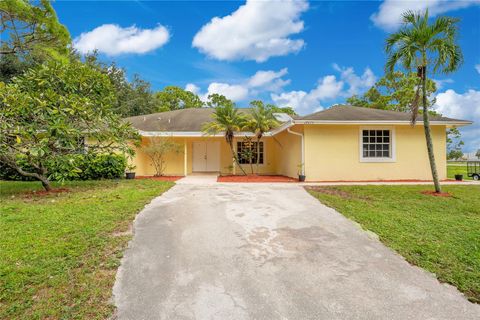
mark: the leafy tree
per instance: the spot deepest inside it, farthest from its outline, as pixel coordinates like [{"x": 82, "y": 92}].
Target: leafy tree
[
  {"x": 157, "y": 149},
  {"x": 477, "y": 154},
  {"x": 420, "y": 45},
  {"x": 288, "y": 110},
  {"x": 30, "y": 35},
  {"x": 454, "y": 144},
  {"x": 46, "y": 113},
  {"x": 226, "y": 119},
  {"x": 132, "y": 98},
  {"x": 31, "y": 29},
  {"x": 260, "y": 120},
  {"x": 394, "y": 91},
  {"x": 175, "y": 98}
]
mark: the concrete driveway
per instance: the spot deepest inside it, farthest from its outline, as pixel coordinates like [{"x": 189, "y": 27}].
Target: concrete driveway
[{"x": 259, "y": 251}]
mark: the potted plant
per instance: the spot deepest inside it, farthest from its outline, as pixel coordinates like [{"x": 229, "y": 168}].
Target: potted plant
[
  {"x": 301, "y": 175},
  {"x": 130, "y": 173},
  {"x": 459, "y": 177}
]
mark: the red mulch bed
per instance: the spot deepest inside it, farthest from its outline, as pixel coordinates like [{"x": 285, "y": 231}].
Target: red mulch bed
[
  {"x": 255, "y": 178},
  {"x": 162, "y": 178},
  {"x": 436, "y": 194},
  {"x": 400, "y": 180}
]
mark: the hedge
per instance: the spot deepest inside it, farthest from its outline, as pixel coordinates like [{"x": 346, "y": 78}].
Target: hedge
[{"x": 88, "y": 167}]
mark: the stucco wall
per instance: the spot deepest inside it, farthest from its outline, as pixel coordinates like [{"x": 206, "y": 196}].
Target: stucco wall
[
  {"x": 332, "y": 152},
  {"x": 175, "y": 162},
  {"x": 288, "y": 152}
]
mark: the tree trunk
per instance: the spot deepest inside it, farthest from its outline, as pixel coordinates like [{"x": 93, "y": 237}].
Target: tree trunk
[
  {"x": 258, "y": 153},
  {"x": 46, "y": 184},
  {"x": 428, "y": 135},
  {"x": 230, "y": 143}
]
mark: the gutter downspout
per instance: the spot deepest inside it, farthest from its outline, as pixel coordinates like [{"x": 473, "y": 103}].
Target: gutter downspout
[{"x": 303, "y": 148}]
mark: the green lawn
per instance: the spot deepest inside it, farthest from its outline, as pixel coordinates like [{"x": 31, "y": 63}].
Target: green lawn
[
  {"x": 452, "y": 170},
  {"x": 59, "y": 252},
  {"x": 439, "y": 234}
]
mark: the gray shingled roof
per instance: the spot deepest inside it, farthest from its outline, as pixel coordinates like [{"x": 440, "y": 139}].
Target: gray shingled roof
[
  {"x": 350, "y": 113},
  {"x": 177, "y": 120},
  {"x": 191, "y": 120}
]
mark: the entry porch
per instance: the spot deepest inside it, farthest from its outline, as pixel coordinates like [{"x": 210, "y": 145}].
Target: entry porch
[{"x": 278, "y": 156}]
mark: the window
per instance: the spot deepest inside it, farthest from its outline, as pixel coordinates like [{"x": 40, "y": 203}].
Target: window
[
  {"x": 243, "y": 152},
  {"x": 377, "y": 145}
]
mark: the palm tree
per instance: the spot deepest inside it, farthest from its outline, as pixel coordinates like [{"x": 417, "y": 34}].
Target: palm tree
[
  {"x": 226, "y": 119},
  {"x": 419, "y": 44},
  {"x": 261, "y": 120}
]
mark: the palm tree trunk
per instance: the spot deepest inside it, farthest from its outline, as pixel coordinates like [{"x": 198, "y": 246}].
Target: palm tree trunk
[
  {"x": 230, "y": 143},
  {"x": 428, "y": 135},
  {"x": 258, "y": 153}
]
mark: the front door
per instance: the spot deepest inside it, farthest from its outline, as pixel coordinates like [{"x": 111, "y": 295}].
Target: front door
[{"x": 206, "y": 156}]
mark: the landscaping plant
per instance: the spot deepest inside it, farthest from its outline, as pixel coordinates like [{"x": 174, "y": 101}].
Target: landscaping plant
[
  {"x": 425, "y": 48},
  {"x": 158, "y": 149},
  {"x": 261, "y": 120},
  {"x": 226, "y": 119},
  {"x": 47, "y": 113}
]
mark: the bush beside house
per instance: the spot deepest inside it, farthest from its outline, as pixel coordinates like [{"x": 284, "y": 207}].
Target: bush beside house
[{"x": 88, "y": 167}]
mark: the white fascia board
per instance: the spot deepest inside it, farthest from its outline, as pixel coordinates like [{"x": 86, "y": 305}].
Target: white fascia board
[
  {"x": 192, "y": 134},
  {"x": 381, "y": 122}
]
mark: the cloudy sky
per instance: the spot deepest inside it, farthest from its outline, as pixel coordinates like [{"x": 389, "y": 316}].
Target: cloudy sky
[{"x": 308, "y": 55}]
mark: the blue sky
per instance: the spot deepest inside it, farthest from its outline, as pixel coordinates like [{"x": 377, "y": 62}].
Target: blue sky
[{"x": 309, "y": 55}]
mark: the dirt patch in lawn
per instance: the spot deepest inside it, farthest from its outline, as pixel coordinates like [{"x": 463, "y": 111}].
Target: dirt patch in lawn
[
  {"x": 436, "y": 194},
  {"x": 162, "y": 178},
  {"x": 335, "y": 192},
  {"x": 30, "y": 194},
  {"x": 255, "y": 178}
]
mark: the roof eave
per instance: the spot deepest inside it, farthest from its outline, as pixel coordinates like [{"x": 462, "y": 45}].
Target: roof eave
[{"x": 380, "y": 122}]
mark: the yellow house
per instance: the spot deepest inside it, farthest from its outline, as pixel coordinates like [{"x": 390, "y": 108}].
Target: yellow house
[{"x": 343, "y": 143}]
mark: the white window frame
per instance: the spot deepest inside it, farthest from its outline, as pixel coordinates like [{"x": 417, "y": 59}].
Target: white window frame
[
  {"x": 264, "y": 154},
  {"x": 393, "y": 150}
]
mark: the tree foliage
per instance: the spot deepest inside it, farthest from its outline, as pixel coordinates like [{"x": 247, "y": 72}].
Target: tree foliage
[
  {"x": 31, "y": 29},
  {"x": 226, "y": 119},
  {"x": 288, "y": 110},
  {"x": 394, "y": 91},
  {"x": 425, "y": 48},
  {"x": 454, "y": 144},
  {"x": 131, "y": 98},
  {"x": 47, "y": 112},
  {"x": 259, "y": 121},
  {"x": 175, "y": 98}
]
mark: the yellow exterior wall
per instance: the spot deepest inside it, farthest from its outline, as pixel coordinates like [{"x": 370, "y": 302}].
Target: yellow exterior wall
[
  {"x": 332, "y": 153},
  {"x": 175, "y": 162},
  {"x": 288, "y": 152}
]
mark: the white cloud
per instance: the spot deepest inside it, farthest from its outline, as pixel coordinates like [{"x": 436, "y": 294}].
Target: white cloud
[
  {"x": 441, "y": 82},
  {"x": 234, "y": 92},
  {"x": 261, "y": 81},
  {"x": 465, "y": 106},
  {"x": 192, "y": 88},
  {"x": 328, "y": 88},
  {"x": 356, "y": 83},
  {"x": 256, "y": 31},
  {"x": 390, "y": 12},
  {"x": 113, "y": 40},
  {"x": 477, "y": 67}
]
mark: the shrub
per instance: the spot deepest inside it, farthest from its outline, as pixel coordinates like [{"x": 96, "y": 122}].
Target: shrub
[{"x": 90, "y": 167}]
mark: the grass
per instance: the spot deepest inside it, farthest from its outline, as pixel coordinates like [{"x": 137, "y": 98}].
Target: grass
[
  {"x": 439, "y": 234},
  {"x": 452, "y": 170},
  {"x": 59, "y": 252}
]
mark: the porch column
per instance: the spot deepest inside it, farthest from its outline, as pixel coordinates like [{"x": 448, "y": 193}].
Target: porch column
[{"x": 185, "y": 157}]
